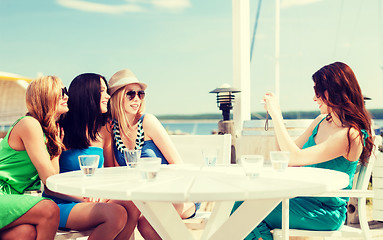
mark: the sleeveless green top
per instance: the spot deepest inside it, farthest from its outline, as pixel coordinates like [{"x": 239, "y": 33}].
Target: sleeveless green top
[
  {"x": 17, "y": 175},
  {"x": 17, "y": 172}
]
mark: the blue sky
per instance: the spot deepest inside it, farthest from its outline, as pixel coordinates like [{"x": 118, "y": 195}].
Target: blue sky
[{"x": 183, "y": 48}]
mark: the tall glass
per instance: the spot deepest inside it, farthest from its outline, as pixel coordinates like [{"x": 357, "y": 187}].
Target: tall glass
[
  {"x": 88, "y": 164},
  {"x": 131, "y": 157},
  {"x": 252, "y": 165},
  {"x": 149, "y": 167},
  {"x": 279, "y": 160}
]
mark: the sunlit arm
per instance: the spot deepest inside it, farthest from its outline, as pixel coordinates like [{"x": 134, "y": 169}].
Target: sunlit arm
[
  {"x": 106, "y": 137},
  {"x": 33, "y": 139},
  {"x": 334, "y": 146},
  {"x": 155, "y": 131}
]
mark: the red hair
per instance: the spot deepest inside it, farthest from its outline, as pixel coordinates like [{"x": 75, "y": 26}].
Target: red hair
[{"x": 345, "y": 98}]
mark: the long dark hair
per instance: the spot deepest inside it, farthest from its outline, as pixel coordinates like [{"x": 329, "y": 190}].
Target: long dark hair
[
  {"x": 345, "y": 98},
  {"x": 83, "y": 121}
]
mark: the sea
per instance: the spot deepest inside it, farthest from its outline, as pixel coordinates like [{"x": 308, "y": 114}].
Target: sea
[
  {"x": 194, "y": 127},
  {"x": 204, "y": 127},
  {"x": 207, "y": 127}
]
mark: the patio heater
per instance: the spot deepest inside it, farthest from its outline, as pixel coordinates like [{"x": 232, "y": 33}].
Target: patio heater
[{"x": 225, "y": 100}]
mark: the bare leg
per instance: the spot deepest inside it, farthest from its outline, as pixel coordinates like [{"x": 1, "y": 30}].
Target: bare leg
[
  {"x": 107, "y": 219},
  {"x": 133, "y": 215},
  {"x": 23, "y": 231},
  {"x": 185, "y": 210},
  {"x": 146, "y": 230},
  {"x": 44, "y": 217}
]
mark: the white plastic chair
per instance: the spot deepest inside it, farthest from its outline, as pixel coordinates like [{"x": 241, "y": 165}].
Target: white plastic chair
[
  {"x": 359, "y": 191},
  {"x": 80, "y": 235},
  {"x": 190, "y": 147},
  {"x": 71, "y": 234}
]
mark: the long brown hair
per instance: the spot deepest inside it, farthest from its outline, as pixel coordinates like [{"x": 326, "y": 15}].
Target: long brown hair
[
  {"x": 42, "y": 98},
  {"x": 345, "y": 98}
]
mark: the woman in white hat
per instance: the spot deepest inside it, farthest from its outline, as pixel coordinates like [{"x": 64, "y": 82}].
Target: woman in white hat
[{"x": 132, "y": 129}]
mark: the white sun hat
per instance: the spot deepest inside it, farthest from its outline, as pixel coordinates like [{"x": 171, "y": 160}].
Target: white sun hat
[{"x": 121, "y": 79}]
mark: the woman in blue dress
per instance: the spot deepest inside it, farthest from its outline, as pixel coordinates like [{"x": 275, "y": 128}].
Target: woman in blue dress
[
  {"x": 132, "y": 129},
  {"x": 338, "y": 139},
  {"x": 86, "y": 133}
]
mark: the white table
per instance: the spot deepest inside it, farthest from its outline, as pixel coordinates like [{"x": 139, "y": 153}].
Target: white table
[{"x": 224, "y": 185}]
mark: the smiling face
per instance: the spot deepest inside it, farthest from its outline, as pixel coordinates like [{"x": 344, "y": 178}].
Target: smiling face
[
  {"x": 132, "y": 105},
  {"x": 62, "y": 106},
  {"x": 104, "y": 97}
]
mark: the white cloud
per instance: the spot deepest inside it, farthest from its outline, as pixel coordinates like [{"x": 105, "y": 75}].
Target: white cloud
[
  {"x": 130, "y": 6},
  {"x": 292, "y": 3},
  {"x": 177, "y": 5},
  {"x": 98, "y": 7}
]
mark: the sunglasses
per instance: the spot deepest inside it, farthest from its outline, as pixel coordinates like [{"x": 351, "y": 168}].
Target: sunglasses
[
  {"x": 64, "y": 91},
  {"x": 132, "y": 94},
  {"x": 315, "y": 92}
]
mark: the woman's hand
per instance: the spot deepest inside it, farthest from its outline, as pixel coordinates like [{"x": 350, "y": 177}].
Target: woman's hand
[
  {"x": 272, "y": 105},
  {"x": 95, "y": 200},
  {"x": 60, "y": 132}
]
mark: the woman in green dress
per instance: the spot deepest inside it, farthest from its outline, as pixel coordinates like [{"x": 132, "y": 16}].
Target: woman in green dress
[{"x": 29, "y": 154}]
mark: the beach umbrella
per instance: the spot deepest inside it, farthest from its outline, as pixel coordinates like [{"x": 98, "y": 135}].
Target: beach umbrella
[{"x": 12, "y": 98}]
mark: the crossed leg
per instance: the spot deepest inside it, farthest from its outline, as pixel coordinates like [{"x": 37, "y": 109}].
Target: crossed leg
[
  {"x": 133, "y": 215},
  {"x": 40, "y": 223},
  {"x": 107, "y": 219}
]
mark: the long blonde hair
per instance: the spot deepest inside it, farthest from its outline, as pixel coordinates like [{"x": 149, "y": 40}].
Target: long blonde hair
[
  {"x": 42, "y": 98},
  {"x": 118, "y": 112}
]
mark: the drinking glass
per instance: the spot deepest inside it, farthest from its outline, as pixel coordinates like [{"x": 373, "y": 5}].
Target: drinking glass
[
  {"x": 149, "y": 167},
  {"x": 131, "y": 157},
  {"x": 252, "y": 165},
  {"x": 88, "y": 164},
  {"x": 210, "y": 156},
  {"x": 279, "y": 160}
]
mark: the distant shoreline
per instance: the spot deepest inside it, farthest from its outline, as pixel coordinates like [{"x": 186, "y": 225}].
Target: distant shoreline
[
  {"x": 211, "y": 117},
  {"x": 190, "y": 120}
]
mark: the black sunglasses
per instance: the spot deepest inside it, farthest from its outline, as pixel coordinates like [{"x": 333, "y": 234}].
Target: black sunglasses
[
  {"x": 64, "y": 92},
  {"x": 132, "y": 94},
  {"x": 315, "y": 92}
]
